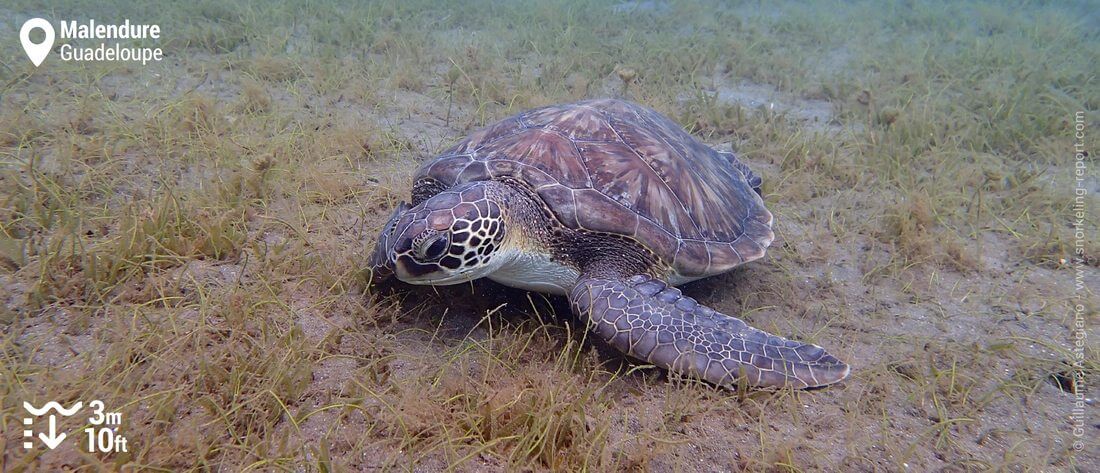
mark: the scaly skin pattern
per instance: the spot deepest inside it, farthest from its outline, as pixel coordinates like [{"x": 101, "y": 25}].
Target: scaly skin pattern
[
  {"x": 468, "y": 217},
  {"x": 649, "y": 320},
  {"x": 381, "y": 259}
]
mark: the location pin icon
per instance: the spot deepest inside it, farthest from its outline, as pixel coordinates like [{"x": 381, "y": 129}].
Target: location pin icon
[{"x": 37, "y": 52}]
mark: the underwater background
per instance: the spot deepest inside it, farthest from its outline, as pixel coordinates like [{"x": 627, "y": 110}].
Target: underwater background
[{"x": 185, "y": 239}]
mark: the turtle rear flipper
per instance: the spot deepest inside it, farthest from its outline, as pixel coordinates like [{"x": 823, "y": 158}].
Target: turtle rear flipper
[
  {"x": 753, "y": 179},
  {"x": 647, "y": 319}
]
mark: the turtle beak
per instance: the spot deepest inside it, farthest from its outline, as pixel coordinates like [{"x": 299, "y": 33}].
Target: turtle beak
[
  {"x": 409, "y": 270},
  {"x": 412, "y": 272},
  {"x": 381, "y": 260}
]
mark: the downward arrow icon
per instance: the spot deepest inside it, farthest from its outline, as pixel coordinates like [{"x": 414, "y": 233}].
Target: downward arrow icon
[{"x": 54, "y": 439}]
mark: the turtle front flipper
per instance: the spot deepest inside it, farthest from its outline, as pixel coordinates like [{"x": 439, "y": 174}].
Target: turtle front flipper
[{"x": 647, "y": 319}]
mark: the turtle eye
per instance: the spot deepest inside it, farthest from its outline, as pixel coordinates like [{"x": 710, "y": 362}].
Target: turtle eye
[{"x": 432, "y": 248}]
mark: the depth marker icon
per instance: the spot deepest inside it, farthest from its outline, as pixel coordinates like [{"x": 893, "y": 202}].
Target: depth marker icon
[{"x": 53, "y": 438}]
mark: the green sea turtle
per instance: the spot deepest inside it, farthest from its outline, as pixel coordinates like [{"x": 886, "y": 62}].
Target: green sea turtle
[{"x": 610, "y": 204}]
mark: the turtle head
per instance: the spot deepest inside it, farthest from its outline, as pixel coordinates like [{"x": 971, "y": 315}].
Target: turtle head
[{"x": 450, "y": 238}]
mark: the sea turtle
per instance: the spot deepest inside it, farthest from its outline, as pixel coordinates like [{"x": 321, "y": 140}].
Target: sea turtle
[{"x": 611, "y": 204}]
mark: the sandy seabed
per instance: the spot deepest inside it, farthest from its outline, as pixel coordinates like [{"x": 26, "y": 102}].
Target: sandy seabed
[{"x": 185, "y": 239}]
